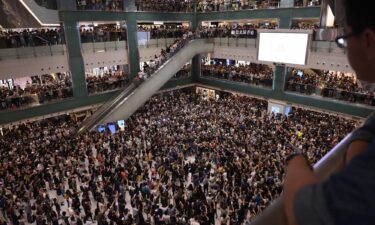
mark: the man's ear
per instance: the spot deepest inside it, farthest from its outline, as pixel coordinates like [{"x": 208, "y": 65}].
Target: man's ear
[{"x": 369, "y": 35}]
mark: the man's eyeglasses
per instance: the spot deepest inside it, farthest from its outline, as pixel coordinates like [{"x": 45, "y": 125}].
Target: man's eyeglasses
[{"x": 342, "y": 40}]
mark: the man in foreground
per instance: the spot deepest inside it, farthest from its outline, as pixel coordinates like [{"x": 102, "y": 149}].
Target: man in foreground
[{"x": 347, "y": 197}]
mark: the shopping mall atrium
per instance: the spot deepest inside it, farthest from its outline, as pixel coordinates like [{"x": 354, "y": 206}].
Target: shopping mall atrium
[{"x": 167, "y": 112}]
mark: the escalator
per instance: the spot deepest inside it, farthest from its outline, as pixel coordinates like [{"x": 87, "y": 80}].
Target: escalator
[
  {"x": 14, "y": 15},
  {"x": 44, "y": 16},
  {"x": 122, "y": 106}
]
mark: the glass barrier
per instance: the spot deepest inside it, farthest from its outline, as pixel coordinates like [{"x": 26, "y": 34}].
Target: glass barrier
[
  {"x": 30, "y": 91},
  {"x": 183, "y": 73},
  {"x": 98, "y": 47},
  {"x": 156, "y": 43},
  {"x": 326, "y": 46},
  {"x": 316, "y": 46},
  {"x": 110, "y": 85},
  {"x": 43, "y": 96},
  {"x": 236, "y": 42},
  {"x": 29, "y": 100},
  {"x": 309, "y": 3},
  {"x": 338, "y": 94},
  {"x": 29, "y": 52},
  {"x": 252, "y": 79}
]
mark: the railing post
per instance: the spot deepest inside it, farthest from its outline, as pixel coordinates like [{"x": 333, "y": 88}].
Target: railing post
[
  {"x": 50, "y": 50},
  {"x": 17, "y": 54},
  {"x": 34, "y": 52},
  {"x": 330, "y": 47}
]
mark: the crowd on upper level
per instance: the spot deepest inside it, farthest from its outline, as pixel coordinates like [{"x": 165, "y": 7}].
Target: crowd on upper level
[
  {"x": 149, "y": 68},
  {"x": 187, "y": 5},
  {"x": 237, "y": 31},
  {"x": 110, "y": 80},
  {"x": 332, "y": 84},
  {"x": 305, "y": 26},
  {"x": 15, "y": 38},
  {"x": 232, "y": 5},
  {"x": 38, "y": 90},
  {"x": 203, "y": 5},
  {"x": 103, "y": 34},
  {"x": 183, "y": 72},
  {"x": 111, "y": 32},
  {"x": 255, "y": 74},
  {"x": 165, "y": 5},
  {"x": 213, "y": 5},
  {"x": 100, "y": 5},
  {"x": 52, "y": 36},
  {"x": 181, "y": 159},
  {"x": 164, "y": 31}
]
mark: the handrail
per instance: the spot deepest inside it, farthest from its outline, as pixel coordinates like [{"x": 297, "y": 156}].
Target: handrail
[
  {"x": 330, "y": 163},
  {"x": 42, "y": 39}
]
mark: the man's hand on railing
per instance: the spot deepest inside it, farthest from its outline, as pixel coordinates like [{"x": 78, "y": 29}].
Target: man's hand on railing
[{"x": 298, "y": 175}]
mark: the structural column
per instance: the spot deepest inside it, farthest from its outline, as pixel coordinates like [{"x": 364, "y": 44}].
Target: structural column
[
  {"x": 286, "y": 3},
  {"x": 280, "y": 70},
  {"x": 133, "y": 53},
  {"x": 64, "y": 5},
  {"x": 196, "y": 60},
  {"x": 279, "y": 80},
  {"x": 129, "y": 5},
  {"x": 75, "y": 58}
]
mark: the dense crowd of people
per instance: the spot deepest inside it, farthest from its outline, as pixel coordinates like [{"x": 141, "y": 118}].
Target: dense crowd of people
[
  {"x": 164, "y": 32},
  {"x": 110, "y": 80},
  {"x": 330, "y": 84},
  {"x": 41, "y": 89},
  {"x": 255, "y": 74},
  {"x": 181, "y": 159},
  {"x": 100, "y": 5},
  {"x": 15, "y": 38},
  {"x": 54, "y": 36}
]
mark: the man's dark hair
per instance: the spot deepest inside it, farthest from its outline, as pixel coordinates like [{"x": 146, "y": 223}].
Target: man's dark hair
[{"x": 359, "y": 15}]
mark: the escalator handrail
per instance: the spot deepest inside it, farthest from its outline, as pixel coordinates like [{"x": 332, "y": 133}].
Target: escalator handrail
[{"x": 98, "y": 115}]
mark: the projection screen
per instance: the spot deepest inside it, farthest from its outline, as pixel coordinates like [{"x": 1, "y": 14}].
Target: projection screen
[{"x": 286, "y": 48}]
